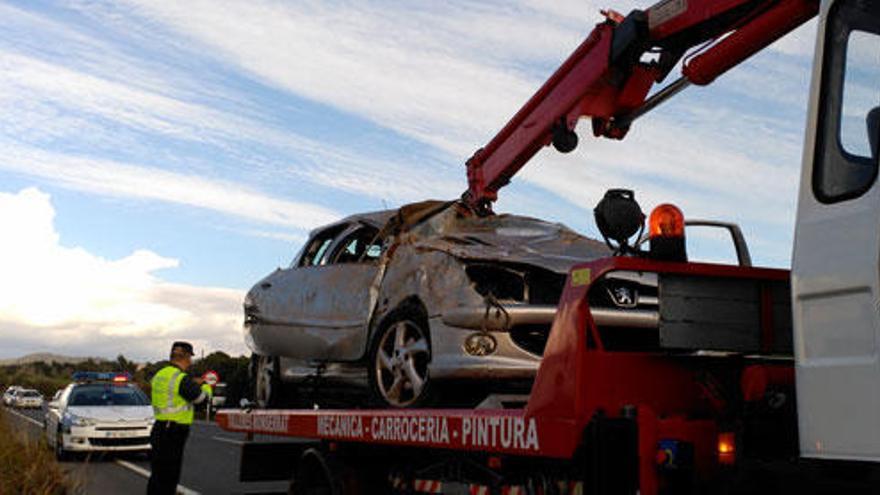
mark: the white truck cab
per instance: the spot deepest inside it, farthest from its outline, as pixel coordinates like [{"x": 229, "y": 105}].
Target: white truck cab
[{"x": 836, "y": 260}]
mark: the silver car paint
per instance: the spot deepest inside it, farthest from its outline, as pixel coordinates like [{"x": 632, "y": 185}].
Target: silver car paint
[{"x": 427, "y": 262}]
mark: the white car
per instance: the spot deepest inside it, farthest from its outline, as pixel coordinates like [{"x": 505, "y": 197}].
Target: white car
[
  {"x": 99, "y": 412},
  {"x": 27, "y": 398},
  {"x": 9, "y": 395}
]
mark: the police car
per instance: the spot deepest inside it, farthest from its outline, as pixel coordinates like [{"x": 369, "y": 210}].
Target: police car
[{"x": 99, "y": 412}]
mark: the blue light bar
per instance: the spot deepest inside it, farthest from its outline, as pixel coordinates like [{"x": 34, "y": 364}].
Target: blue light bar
[{"x": 101, "y": 376}]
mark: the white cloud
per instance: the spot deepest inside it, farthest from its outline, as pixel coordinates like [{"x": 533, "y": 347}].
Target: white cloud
[
  {"x": 119, "y": 179},
  {"x": 45, "y": 103},
  {"x": 455, "y": 80},
  {"x": 448, "y": 76},
  {"x": 386, "y": 63},
  {"x": 801, "y": 41},
  {"x": 64, "y": 299}
]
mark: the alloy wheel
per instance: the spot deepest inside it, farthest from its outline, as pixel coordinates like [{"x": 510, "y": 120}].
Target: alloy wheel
[
  {"x": 401, "y": 363},
  {"x": 264, "y": 381}
]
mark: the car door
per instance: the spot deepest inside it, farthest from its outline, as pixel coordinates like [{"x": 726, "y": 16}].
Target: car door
[
  {"x": 53, "y": 416},
  {"x": 836, "y": 285},
  {"x": 325, "y": 301}
]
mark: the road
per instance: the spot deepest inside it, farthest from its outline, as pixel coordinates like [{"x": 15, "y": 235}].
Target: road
[{"x": 210, "y": 463}]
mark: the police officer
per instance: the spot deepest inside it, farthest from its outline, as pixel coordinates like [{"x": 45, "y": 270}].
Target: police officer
[{"x": 174, "y": 393}]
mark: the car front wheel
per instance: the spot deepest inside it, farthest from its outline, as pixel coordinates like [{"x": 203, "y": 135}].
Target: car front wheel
[
  {"x": 60, "y": 453},
  {"x": 265, "y": 380},
  {"x": 399, "y": 360}
]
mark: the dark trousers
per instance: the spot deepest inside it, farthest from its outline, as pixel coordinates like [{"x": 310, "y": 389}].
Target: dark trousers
[{"x": 167, "y": 440}]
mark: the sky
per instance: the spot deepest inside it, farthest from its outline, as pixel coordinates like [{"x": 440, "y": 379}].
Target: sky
[{"x": 158, "y": 158}]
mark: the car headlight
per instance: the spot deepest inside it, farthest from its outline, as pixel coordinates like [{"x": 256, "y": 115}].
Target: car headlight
[
  {"x": 83, "y": 421},
  {"x": 72, "y": 420}
]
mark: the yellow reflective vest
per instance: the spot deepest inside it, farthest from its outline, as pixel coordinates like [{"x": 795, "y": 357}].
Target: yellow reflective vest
[{"x": 168, "y": 404}]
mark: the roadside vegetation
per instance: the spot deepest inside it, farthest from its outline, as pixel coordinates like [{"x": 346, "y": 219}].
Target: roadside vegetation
[
  {"x": 27, "y": 466},
  {"x": 50, "y": 377}
]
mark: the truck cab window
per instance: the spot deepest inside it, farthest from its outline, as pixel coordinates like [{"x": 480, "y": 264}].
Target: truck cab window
[
  {"x": 861, "y": 93},
  {"x": 845, "y": 163}
]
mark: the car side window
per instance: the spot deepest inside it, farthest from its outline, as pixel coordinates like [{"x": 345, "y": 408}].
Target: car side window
[
  {"x": 362, "y": 245},
  {"x": 316, "y": 250}
]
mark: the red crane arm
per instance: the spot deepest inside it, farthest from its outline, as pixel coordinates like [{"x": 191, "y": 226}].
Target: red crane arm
[{"x": 607, "y": 79}]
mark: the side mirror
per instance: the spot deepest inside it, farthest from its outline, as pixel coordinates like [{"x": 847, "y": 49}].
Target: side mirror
[
  {"x": 245, "y": 404},
  {"x": 744, "y": 258},
  {"x": 873, "y": 121},
  {"x": 53, "y": 405}
]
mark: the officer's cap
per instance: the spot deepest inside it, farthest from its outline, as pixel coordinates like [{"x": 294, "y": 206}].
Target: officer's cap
[{"x": 183, "y": 346}]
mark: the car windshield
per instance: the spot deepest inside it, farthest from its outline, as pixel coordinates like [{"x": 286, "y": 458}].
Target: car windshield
[
  {"x": 105, "y": 394},
  {"x": 29, "y": 393}
]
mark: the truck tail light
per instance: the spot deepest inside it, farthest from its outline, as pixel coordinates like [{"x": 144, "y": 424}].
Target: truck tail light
[
  {"x": 726, "y": 448},
  {"x": 666, "y": 233}
]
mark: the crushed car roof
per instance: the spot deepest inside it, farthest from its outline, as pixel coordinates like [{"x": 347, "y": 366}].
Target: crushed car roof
[{"x": 451, "y": 227}]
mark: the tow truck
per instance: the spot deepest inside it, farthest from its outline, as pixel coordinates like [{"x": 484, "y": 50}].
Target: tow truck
[{"x": 756, "y": 380}]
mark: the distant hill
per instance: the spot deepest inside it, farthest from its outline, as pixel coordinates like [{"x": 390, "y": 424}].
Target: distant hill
[{"x": 47, "y": 358}]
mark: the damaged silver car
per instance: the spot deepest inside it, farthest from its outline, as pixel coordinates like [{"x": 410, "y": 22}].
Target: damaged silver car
[{"x": 400, "y": 302}]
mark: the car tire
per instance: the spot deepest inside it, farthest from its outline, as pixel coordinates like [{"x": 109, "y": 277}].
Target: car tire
[
  {"x": 265, "y": 381},
  {"x": 61, "y": 455},
  {"x": 398, "y": 372}
]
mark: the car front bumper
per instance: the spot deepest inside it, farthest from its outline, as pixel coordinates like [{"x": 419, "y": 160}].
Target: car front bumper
[
  {"x": 509, "y": 315},
  {"x": 514, "y": 356},
  {"x": 450, "y": 359},
  {"x": 101, "y": 438}
]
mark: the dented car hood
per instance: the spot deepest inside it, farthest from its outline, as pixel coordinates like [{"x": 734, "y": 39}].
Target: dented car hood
[{"x": 507, "y": 238}]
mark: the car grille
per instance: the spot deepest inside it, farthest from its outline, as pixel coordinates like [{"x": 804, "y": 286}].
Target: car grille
[
  {"x": 119, "y": 442},
  {"x": 119, "y": 428}
]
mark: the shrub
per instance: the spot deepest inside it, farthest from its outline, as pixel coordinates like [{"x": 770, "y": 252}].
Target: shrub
[{"x": 27, "y": 465}]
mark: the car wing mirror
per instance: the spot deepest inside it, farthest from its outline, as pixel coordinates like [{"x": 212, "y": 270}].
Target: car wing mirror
[
  {"x": 873, "y": 121},
  {"x": 53, "y": 405}
]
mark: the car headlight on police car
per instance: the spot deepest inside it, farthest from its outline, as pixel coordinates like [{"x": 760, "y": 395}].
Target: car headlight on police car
[{"x": 71, "y": 420}]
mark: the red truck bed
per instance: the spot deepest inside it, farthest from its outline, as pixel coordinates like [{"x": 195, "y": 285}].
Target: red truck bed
[{"x": 678, "y": 402}]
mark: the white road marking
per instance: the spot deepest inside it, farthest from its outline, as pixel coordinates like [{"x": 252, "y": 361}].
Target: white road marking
[
  {"x": 228, "y": 440},
  {"x": 25, "y": 417},
  {"x": 134, "y": 467},
  {"x": 181, "y": 490}
]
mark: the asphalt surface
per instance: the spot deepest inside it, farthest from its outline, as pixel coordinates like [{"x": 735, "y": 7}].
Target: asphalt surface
[{"x": 210, "y": 463}]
